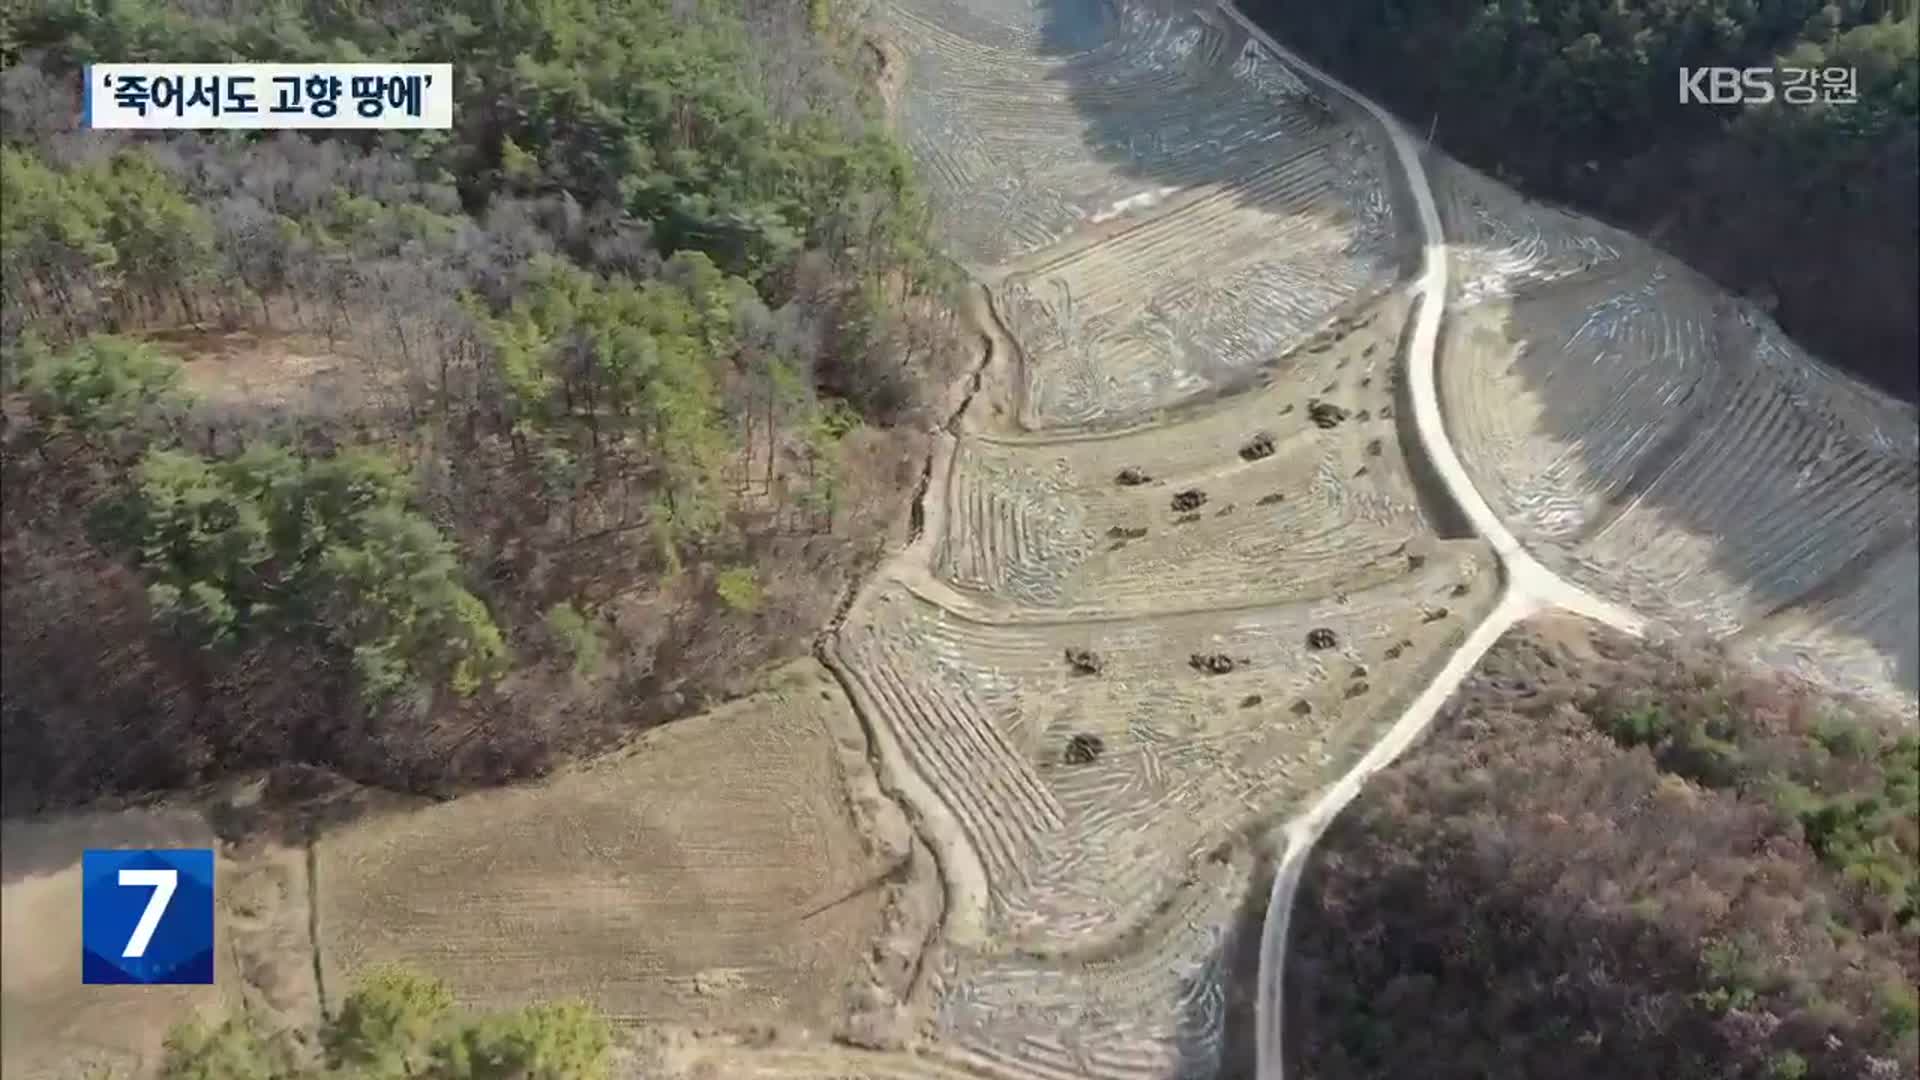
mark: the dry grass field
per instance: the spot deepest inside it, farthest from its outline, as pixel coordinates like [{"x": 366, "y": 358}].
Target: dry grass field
[
  {"x": 721, "y": 870},
  {"x": 258, "y": 377},
  {"x": 740, "y": 870}
]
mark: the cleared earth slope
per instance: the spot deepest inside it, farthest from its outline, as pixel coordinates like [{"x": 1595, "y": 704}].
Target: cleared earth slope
[
  {"x": 1665, "y": 446},
  {"x": 1159, "y": 205},
  {"x": 1195, "y": 568},
  {"x": 1178, "y": 478}
]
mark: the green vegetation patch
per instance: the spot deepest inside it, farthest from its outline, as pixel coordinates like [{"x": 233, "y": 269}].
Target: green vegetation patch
[
  {"x": 399, "y": 1023},
  {"x": 489, "y": 387}
]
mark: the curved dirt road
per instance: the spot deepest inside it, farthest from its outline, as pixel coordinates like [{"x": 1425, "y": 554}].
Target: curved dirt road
[{"x": 1530, "y": 586}]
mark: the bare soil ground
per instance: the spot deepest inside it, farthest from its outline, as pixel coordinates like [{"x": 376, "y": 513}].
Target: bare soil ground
[
  {"x": 55, "y": 1027},
  {"x": 1666, "y": 446},
  {"x": 253, "y": 375},
  {"x": 1177, "y": 571},
  {"x": 1161, "y": 206},
  {"x": 728, "y": 869}
]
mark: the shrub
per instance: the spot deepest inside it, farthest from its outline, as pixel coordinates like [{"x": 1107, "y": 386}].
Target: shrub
[
  {"x": 739, "y": 588},
  {"x": 575, "y": 636}
]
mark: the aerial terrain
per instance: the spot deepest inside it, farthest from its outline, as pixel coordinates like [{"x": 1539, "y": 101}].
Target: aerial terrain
[{"x": 1270, "y": 424}]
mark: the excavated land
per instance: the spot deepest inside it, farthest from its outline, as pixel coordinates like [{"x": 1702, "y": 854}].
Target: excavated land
[
  {"x": 1666, "y": 446},
  {"x": 1160, "y": 206},
  {"x": 738, "y": 866},
  {"x": 1042, "y": 520},
  {"x": 1179, "y": 566}
]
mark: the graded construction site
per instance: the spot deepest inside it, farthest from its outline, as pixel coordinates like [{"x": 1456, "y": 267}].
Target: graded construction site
[{"x": 1195, "y": 555}]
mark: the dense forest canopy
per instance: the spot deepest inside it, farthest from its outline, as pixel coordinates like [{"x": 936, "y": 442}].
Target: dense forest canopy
[
  {"x": 1614, "y": 859},
  {"x": 623, "y": 376},
  {"x": 1815, "y": 208}
]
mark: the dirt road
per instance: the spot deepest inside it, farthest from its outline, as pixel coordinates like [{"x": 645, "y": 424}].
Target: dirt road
[{"x": 1529, "y": 585}]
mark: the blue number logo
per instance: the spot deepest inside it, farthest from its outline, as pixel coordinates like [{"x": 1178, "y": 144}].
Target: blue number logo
[{"x": 147, "y": 917}]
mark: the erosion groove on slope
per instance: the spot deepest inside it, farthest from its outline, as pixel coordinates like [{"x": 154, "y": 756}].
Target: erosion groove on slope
[{"x": 313, "y": 928}]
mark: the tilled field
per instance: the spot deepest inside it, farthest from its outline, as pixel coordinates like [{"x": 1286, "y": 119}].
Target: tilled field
[
  {"x": 735, "y": 866},
  {"x": 1161, "y": 206},
  {"x": 1666, "y": 446}
]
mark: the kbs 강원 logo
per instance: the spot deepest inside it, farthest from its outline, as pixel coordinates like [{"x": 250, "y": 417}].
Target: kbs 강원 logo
[
  {"x": 146, "y": 917},
  {"x": 1760, "y": 85}
]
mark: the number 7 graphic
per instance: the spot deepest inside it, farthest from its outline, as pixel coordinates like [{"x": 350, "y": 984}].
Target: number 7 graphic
[
  {"x": 146, "y": 916},
  {"x": 163, "y": 883}
]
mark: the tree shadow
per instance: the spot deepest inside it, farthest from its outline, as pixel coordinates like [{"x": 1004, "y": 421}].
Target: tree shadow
[{"x": 1239, "y": 968}]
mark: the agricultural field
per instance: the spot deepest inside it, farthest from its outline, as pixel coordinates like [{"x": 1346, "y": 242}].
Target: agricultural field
[
  {"x": 740, "y": 869},
  {"x": 1160, "y": 206},
  {"x": 735, "y": 866},
  {"x": 1666, "y": 446}
]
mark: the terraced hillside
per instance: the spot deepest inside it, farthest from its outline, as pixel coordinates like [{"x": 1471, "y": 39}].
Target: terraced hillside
[
  {"x": 1051, "y": 522},
  {"x": 1667, "y": 447},
  {"x": 1160, "y": 204},
  {"x": 1193, "y": 574}
]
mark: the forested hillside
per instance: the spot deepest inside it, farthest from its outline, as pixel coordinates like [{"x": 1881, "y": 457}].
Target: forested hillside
[
  {"x": 1612, "y": 859},
  {"x": 1813, "y": 208},
  {"x": 428, "y": 458}
]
